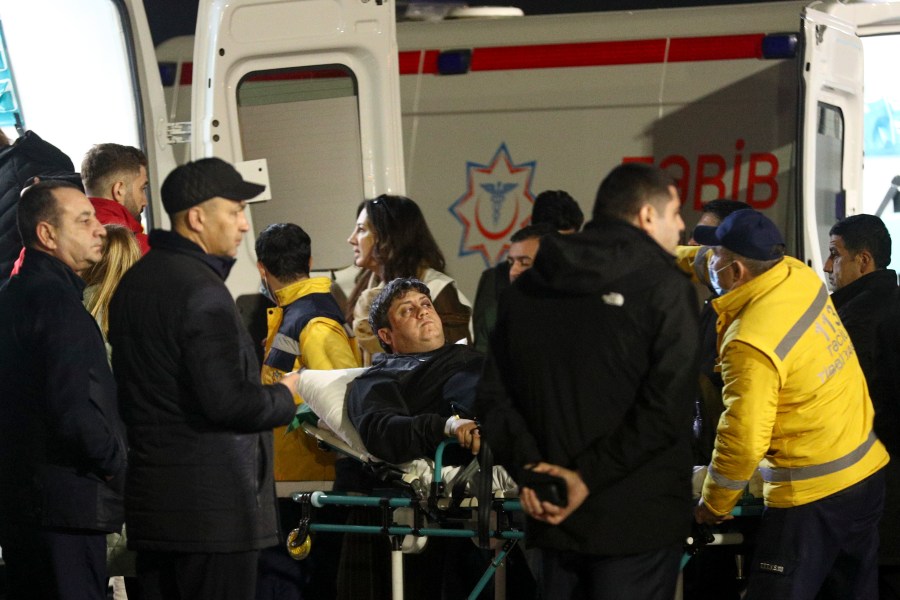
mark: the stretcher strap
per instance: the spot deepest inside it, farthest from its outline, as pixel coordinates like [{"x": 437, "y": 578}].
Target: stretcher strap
[{"x": 484, "y": 493}]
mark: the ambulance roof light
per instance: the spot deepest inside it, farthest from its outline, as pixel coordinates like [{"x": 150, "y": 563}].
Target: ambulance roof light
[{"x": 779, "y": 45}]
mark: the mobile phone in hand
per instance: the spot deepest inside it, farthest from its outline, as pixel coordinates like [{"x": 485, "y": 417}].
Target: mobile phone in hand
[{"x": 548, "y": 488}]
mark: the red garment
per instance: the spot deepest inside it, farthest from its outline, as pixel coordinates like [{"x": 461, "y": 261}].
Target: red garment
[
  {"x": 18, "y": 264},
  {"x": 110, "y": 211}
]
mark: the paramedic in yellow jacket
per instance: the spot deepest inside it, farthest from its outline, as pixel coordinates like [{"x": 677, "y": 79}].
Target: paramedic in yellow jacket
[
  {"x": 796, "y": 406},
  {"x": 305, "y": 330}
]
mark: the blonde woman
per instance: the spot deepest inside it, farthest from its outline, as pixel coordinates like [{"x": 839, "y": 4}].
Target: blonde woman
[{"x": 120, "y": 252}]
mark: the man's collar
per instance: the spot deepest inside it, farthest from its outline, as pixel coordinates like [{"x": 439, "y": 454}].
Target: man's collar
[{"x": 169, "y": 240}]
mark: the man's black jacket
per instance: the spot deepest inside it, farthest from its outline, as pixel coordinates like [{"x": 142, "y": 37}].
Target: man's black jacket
[
  {"x": 400, "y": 405},
  {"x": 199, "y": 421},
  {"x": 593, "y": 366},
  {"x": 62, "y": 443}
]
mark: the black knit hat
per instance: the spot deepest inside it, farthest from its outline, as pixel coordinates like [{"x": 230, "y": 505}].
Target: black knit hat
[{"x": 198, "y": 181}]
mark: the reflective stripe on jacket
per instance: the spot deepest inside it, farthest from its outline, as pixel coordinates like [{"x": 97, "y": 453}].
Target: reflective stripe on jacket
[
  {"x": 307, "y": 332},
  {"x": 796, "y": 399}
]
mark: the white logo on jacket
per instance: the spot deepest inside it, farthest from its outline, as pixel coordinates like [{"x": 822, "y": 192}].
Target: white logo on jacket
[{"x": 614, "y": 299}]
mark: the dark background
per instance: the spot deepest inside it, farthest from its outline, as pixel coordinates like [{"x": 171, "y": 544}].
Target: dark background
[{"x": 169, "y": 18}]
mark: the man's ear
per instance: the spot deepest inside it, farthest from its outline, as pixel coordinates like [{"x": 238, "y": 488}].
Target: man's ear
[
  {"x": 118, "y": 191},
  {"x": 741, "y": 273},
  {"x": 386, "y": 336},
  {"x": 865, "y": 260},
  {"x": 645, "y": 218},
  {"x": 261, "y": 269},
  {"x": 195, "y": 218},
  {"x": 46, "y": 235}
]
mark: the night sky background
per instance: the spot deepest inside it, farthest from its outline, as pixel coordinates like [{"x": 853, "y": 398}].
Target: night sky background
[{"x": 170, "y": 18}]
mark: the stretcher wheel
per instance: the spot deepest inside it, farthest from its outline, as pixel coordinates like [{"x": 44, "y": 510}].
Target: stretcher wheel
[{"x": 298, "y": 547}]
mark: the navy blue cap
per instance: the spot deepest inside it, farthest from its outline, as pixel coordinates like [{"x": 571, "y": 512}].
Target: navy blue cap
[{"x": 746, "y": 232}]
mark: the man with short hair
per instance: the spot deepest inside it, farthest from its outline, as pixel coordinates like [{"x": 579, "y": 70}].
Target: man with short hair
[
  {"x": 797, "y": 407},
  {"x": 859, "y": 251},
  {"x": 200, "y": 493},
  {"x": 115, "y": 179},
  {"x": 591, "y": 378},
  {"x": 412, "y": 397},
  {"x": 62, "y": 443},
  {"x": 555, "y": 208},
  {"x": 863, "y": 292},
  {"x": 306, "y": 330},
  {"x": 523, "y": 247}
]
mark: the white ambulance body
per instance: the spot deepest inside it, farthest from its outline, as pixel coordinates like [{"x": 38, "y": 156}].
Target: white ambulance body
[{"x": 331, "y": 102}]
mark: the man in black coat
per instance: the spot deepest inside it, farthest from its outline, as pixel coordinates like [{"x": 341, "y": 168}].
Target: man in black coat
[
  {"x": 859, "y": 251},
  {"x": 200, "y": 493},
  {"x": 863, "y": 292},
  {"x": 62, "y": 443},
  {"x": 591, "y": 378}
]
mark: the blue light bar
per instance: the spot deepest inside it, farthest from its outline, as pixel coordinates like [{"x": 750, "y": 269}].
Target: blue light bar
[
  {"x": 779, "y": 45},
  {"x": 454, "y": 62}
]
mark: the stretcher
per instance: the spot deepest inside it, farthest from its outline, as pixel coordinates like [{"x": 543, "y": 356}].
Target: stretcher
[
  {"x": 426, "y": 500},
  {"x": 430, "y": 499}
]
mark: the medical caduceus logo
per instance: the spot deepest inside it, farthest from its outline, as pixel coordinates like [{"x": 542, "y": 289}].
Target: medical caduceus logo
[{"x": 496, "y": 204}]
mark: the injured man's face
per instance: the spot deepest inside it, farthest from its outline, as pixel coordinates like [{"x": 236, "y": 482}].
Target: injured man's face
[{"x": 415, "y": 326}]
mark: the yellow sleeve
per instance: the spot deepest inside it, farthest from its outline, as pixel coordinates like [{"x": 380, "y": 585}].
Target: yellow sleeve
[
  {"x": 692, "y": 260},
  {"x": 744, "y": 434},
  {"x": 324, "y": 345}
]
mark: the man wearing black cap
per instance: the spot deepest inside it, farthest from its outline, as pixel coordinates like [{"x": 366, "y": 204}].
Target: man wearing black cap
[
  {"x": 797, "y": 407},
  {"x": 199, "y": 495}
]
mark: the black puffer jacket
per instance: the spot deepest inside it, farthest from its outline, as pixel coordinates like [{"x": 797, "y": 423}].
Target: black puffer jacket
[
  {"x": 28, "y": 157},
  {"x": 62, "y": 443},
  {"x": 199, "y": 421},
  {"x": 593, "y": 366},
  {"x": 400, "y": 405}
]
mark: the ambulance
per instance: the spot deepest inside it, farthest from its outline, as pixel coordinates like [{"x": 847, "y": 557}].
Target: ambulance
[{"x": 789, "y": 106}]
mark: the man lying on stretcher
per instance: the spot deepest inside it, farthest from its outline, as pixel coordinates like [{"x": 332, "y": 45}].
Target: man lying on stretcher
[{"x": 421, "y": 390}]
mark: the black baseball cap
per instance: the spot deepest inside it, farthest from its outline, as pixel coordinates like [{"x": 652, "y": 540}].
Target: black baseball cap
[
  {"x": 198, "y": 181},
  {"x": 746, "y": 232}
]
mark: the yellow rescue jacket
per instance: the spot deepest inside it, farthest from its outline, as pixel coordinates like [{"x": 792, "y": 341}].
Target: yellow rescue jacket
[
  {"x": 796, "y": 401},
  {"x": 305, "y": 330}
]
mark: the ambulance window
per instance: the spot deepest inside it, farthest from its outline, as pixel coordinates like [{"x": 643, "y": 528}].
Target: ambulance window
[
  {"x": 829, "y": 161},
  {"x": 881, "y": 131},
  {"x": 305, "y": 122},
  {"x": 51, "y": 48}
]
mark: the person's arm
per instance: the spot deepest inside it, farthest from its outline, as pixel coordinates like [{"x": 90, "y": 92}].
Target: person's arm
[
  {"x": 692, "y": 260},
  {"x": 324, "y": 345},
  {"x": 885, "y": 390},
  {"x": 664, "y": 402},
  {"x": 745, "y": 433},
  {"x": 77, "y": 383},
  {"x": 229, "y": 395},
  {"x": 454, "y": 314},
  {"x": 484, "y": 313},
  {"x": 385, "y": 425},
  {"x": 502, "y": 425}
]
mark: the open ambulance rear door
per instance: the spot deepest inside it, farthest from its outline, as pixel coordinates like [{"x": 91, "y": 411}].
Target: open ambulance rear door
[
  {"x": 304, "y": 95},
  {"x": 82, "y": 73},
  {"x": 850, "y": 138}
]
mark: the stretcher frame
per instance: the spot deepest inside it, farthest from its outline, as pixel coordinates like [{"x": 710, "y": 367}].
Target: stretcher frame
[
  {"x": 435, "y": 504},
  {"x": 429, "y": 512}
]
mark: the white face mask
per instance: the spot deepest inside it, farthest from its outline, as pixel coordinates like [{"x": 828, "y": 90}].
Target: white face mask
[
  {"x": 714, "y": 280},
  {"x": 265, "y": 291}
]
